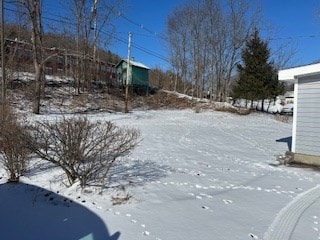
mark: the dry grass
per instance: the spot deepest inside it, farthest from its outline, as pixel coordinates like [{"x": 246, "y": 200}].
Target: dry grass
[
  {"x": 283, "y": 118},
  {"x": 118, "y": 200},
  {"x": 163, "y": 100},
  {"x": 231, "y": 109}
]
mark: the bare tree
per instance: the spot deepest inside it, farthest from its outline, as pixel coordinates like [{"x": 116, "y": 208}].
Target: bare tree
[
  {"x": 92, "y": 18},
  {"x": 33, "y": 9},
  {"x": 177, "y": 39},
  {"x": 214, "y": 34},
  {"x": 235, "y": 29}
]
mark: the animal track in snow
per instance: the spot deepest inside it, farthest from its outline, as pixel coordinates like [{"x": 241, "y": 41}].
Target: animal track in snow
[
  {"x": 146, "y": 233},
  {"x": 227, "y": 201},
  {"x": 253, "y": 236},
  {"x": 316, "y": 226}
]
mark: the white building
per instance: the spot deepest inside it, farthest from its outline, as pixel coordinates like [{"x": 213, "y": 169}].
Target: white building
[{"x": 306, "y": 112}]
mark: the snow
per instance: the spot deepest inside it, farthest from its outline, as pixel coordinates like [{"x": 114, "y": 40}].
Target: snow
[
  {"x": 269, "y": 106},
  {"x": 137, "y": 64},
  {"x": 208, "y": 175}
]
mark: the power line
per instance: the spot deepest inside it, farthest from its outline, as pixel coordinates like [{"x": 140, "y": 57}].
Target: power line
[
  {"x": 292, "y": 37},
  {"x": 134, "y": 45},
  {"x": 142, "y": 49},
  {"x": 142, "y": 26}
]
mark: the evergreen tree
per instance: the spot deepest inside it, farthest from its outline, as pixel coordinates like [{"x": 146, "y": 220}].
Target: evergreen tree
[{"x": 257, "y": 75}]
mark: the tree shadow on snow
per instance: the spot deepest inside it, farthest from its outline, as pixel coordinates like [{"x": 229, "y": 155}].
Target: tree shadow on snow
[
  {"x": 287, "y": 140},
  {"x": 137, "y": 173},
  {"x": 30, "y": 212}
]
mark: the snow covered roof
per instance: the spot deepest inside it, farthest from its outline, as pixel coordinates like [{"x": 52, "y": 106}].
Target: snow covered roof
[
  {"x": 293, "y": 73},
  {"x": 289, "y": 94},
  {"x": 134, "y": 63}
]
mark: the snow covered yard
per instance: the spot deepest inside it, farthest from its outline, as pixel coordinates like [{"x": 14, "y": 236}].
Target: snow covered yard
[{"x": 210, "y": 175}]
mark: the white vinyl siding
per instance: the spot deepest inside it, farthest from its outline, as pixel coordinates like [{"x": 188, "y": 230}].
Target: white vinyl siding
[{"x": 308, "y": 116}]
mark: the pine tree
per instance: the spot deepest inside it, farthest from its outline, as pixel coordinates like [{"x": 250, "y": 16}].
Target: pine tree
[{"x": 257, "y": 75}]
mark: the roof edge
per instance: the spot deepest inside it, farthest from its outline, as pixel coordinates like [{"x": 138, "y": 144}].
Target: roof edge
[{"x": 290, "y": 74}]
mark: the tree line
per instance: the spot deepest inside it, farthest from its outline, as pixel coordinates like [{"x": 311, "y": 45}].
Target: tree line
[
  {"x": 81, "y": 32},
  {"x": 206, "y": 39}
]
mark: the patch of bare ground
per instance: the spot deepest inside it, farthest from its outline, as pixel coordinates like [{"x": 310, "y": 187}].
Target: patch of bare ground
[
  {"x": 63, "y": 99},
  {"x": 283, "y": 118},
  {"x": 231, "y": 109},
  {"x": 164, "y": 100}
]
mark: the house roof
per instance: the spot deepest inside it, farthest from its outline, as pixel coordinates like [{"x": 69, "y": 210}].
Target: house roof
[
  {"x": 293, "y": 73},
  {"x": 134, "y": 63}
]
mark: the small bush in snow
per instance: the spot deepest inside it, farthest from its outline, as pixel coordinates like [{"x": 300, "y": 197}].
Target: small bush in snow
[
  {"x": 84, "y": 150},
  {"x": 14, "y": 153}
]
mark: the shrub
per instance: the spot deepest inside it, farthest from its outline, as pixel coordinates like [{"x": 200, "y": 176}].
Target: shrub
[
  {"x": 14, "y": 153},
  {"x": 84, "y": 150}
]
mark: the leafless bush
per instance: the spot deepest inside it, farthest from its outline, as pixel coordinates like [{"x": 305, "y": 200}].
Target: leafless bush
[
  {"x": 85, "y": 150},
  {"x": 14, "y": 153}
]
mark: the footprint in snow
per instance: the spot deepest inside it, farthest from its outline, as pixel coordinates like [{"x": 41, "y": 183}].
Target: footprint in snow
[
  {"x": 146, "y": 233},
  {"x": 316, "y": 225},
  {"x": 227, "y": 201},
  {"x": 253, "y": 236}
]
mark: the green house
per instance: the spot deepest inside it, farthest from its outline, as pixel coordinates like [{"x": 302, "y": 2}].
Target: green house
[{"x": 138, "y": 75}]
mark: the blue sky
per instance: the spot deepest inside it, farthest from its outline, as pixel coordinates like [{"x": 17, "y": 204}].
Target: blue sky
[
  {"x": 294, "y": 24},
  {"x": 291, "y": 23},
  {"x": 146, "y": 22}
]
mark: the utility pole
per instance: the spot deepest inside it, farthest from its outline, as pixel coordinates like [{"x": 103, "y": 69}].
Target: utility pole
[
  {"x": 3, "y": 90},
  {"x": 95, "y": 62},
  {"x": 94, "y": 13},
  {"x": 127, "y": 79}
]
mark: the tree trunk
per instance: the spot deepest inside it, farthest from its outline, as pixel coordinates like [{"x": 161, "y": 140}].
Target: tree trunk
[
  {"x": 262, "y": 105},
  {"x": 37, "y": 93}
]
